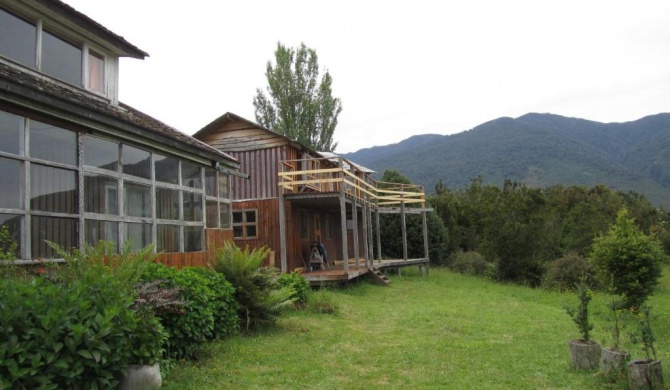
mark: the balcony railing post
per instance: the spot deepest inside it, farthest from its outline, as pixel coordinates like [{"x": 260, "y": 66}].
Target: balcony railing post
[{"x": 343, "y": 216}]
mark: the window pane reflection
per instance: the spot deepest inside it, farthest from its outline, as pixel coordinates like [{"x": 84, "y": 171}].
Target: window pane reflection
[
  {"x": 49, "y": 142},
  {"x": 53, "y": 189},
  {"x": 101, "y": 153},
  {"x": 192, "y": 238},
  {"x": 168, "y": 238},
  {"x": 190, "y": 175},
  {"x": 11, "y": 133},
  {"x": 101, "y": 195},
  {"x": 11, "y": 190},
  {"x": 97, "y": 231},
  {"x": 17, "y": 40},
  {"x": 137, "y": 234},
  {"x": 137, "y": 200},
  {"x": 61, "y": 59},
  {"x": 61, "y": 231},
  {"x": 136, "y": 162},
  {"x": 167, "y": 169},
  {"x": 167, "y": 203}
]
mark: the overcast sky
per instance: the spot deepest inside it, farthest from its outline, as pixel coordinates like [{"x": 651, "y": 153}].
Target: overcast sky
[{"x": 400, "y": 67}]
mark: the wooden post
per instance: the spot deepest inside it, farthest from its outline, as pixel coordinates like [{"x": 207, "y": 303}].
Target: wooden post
[
  {"x": 403, "y": 222},
  {"x": 365, "y": 232},
  {"x": 282, "y": 229},
  {"x": 379, "y": 236},
  {"x": 354, "y": 217},
  {"x": 371, "y": 254},
  {"x": 343, "y": 217}
]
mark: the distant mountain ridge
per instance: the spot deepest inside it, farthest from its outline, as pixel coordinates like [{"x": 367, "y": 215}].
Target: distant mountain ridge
[{"x": 539, "y": 150}]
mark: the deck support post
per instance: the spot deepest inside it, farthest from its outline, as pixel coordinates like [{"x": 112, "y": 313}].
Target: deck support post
[
  {"x": 403, "y": 221},
  {"x": 426, "y": 252},
  {"x": 379, "y": 236},
  {"x": 343, "y": 216},
  {"x": 282, "y": 231},
  {"x": 371, "y": 249},
  {"x": 364, "y": 211},
  {"x": 354, "y": 217}
]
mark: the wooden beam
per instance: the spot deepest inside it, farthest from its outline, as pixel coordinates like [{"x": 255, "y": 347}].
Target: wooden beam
[
  {"x": 364, "y": 212},
  {"x": 409, "y": 210},
  {"x": 379, "y": 237},
  {"x": 354, "y": 217},
  {"x": 403, "y": 221},
  {"x": 343, "y": 218},
  {"x": 282, "y": 231}
]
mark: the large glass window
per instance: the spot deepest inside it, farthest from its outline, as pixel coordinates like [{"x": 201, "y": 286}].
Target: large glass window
[
  {"x": 96, "y": 72},
  {"x": 61, "y": 59},
  {"x": 17, "y": 39},
  {"x": 61, "y": 231},
  {"x": 190, "y": 175},
  {"x": 101, "y": 195},
  {"x": 13, "y": 225},
  {"x": 167, "y": 203},
  {"x": 49, "y": 142},
  {"x": 11, "y": 133},
  {"x": 137, "y": 200},
  {"x": 166, "y": 169},
  {"x": 168, "y": 238},
  {"x": 224, "y": 192},
  {"x": 138, "y": 234},
  {"x": 136, "y": 162},
  {"x": 11, "y": 190},
  {"x": 102, "y": 231},
  {"x": 192, "y": 238},
  {"x": 192, "y": 207},
  {"x": 53, "y": 189},
  {"x": 224, "y": 215},
  {"x": 212, "y": 213},
  {"x": 245, "y": 224},
  {"x": 210, "y": 182},
  {"x": 101, "y": 153}
]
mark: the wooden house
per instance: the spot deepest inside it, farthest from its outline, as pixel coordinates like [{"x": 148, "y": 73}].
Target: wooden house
[
  {"x": 77, "y": 166},
  {"x": 296, "y": 196}
]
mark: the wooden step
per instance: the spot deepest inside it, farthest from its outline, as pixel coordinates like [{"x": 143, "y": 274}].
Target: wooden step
[{"x": 378, "y": 277}]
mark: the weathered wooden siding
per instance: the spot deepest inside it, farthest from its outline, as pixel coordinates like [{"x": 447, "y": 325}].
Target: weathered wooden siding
[
  {"x": 214, "y": 238},
  {"x": 267, "y": 227},
  {"x": 262, "y": 166}
]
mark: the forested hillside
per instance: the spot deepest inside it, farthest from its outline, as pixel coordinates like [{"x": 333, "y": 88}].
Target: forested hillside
[{"x": 539, "y": 150}]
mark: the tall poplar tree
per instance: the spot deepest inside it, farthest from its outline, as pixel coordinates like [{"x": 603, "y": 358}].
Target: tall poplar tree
[{"x": 298, "y": 105}]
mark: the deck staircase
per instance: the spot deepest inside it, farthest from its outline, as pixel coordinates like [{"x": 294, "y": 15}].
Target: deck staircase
[{"x": 378, "y": 277}]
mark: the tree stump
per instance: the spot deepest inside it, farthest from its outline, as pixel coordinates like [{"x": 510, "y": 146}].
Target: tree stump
[
  {"x": 584, "y": 355},
  {"x": 613, "y": 363},
  {"x": 644, "y": 374}
]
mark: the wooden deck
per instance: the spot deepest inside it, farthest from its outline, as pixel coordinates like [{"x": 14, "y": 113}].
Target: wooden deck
[{"x": 336, "y": 274}]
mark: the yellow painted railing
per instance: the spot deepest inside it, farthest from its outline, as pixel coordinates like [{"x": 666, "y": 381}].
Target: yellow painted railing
[{"x": 327, "y": 175}]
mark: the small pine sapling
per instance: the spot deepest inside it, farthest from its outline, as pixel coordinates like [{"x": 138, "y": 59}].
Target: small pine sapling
[{"x": 580, "y": 314}]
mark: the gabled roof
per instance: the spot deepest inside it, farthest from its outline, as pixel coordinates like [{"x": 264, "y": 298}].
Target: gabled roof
[
  {"x": 126, "y": 49},
  {"x": 30, "y": 90},
  {"x": 229, "y": 117}
]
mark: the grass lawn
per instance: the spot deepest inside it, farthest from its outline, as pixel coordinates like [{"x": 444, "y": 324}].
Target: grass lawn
[{"x": 447, "y": 331}]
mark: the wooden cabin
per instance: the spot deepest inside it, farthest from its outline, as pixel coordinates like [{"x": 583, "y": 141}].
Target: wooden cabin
[
  {"x": 77, "y": 166},
  {"x": 296, "y": 196}
]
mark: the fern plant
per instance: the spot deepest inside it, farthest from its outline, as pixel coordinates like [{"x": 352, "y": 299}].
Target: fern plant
[{"x": 260, "y": 299}]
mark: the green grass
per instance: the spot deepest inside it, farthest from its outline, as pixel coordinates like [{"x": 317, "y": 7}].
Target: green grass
[{"x": 446, "y": 331}]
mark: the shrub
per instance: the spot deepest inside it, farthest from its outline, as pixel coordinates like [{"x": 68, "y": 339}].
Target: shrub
[
  {"x": 260, "y": 299},
  {"x": 298, "y": 283},
  {"x": 209, "y": 312},
  {"x": 565, "y": 273},
  {"x": 470, "y": 263},
  {"x": 8, "y": 246},
  {"x": 72, "y": 334},
  {"x": 628, "y": 261}
]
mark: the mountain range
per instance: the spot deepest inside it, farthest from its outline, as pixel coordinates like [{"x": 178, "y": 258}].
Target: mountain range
[{"x": 539, "y": 150}]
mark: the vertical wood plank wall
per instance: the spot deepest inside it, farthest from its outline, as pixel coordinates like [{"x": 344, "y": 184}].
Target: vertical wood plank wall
[{"x": 214, "y": 238}]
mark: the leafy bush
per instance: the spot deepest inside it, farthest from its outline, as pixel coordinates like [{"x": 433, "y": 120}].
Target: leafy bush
[
  {"x": 470, "y": 263},
  {"x": 565, "y": 273},
  {"x": 76, "y": 329},
  {"x": 628, "y": 261},
  {"x": 8, "y": 246},
  {"x": 260, "y": 299},
  {"x": 210, "y": 309},
  {"x": 323, "y": 302},
  {"x": 299, "y": 284}
]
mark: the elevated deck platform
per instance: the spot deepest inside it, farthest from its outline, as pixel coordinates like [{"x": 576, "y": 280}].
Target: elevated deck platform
[{"x": 336, "y": 274}]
